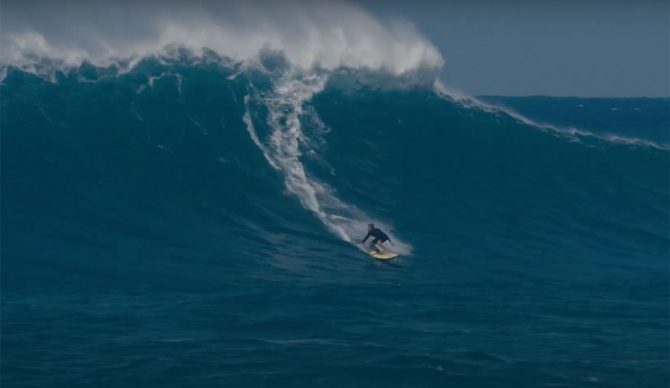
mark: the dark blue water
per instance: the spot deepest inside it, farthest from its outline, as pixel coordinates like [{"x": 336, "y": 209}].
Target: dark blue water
[{"x": 148, "y": 240}]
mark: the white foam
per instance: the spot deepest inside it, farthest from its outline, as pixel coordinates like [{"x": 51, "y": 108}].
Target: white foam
[{"x": 310, "y": 34}]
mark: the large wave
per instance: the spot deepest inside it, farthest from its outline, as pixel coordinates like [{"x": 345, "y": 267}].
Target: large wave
[
  {"x": 345, "y": 148},
  {"x": 324, "y": 94}
]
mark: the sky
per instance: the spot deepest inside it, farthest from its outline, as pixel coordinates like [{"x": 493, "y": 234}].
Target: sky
[{"x": 587, "y": 48}]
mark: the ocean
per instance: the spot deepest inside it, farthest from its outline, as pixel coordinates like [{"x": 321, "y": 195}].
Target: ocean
[{"x": 192, "y": 224}]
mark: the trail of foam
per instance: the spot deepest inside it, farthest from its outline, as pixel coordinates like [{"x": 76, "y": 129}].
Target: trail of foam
[
  {"x": 571, "y": 133},
  {"x": 285, "y": 108},
  {"x": 252, "y": 133}
]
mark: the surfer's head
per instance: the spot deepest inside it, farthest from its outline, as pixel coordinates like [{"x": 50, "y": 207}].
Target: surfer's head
[{"x": 371, "y": 226}]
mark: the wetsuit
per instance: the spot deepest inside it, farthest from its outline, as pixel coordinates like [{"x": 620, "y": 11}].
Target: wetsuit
[{"x": 378, "y": 235}]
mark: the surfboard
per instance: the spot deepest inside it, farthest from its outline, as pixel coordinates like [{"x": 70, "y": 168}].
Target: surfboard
[{"x": 384, "y": 255}]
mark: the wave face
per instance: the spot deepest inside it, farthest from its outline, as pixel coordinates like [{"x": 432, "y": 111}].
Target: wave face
[{"x": 197, "y": 223}]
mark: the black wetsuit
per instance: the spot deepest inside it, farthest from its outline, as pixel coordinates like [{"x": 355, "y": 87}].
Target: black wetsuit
[{"x": 378, "y": 235}]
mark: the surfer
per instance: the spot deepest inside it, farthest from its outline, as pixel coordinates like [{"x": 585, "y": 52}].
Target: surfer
[{"x": 379, "y": 238}]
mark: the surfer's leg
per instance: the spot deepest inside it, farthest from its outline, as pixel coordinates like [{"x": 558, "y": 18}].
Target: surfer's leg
[
  {"x": 372, "y": 245},
  {"x": 382, "y": 247}
]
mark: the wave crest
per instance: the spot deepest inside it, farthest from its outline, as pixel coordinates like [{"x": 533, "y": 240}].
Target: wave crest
[{"x": 323, "y": 35}]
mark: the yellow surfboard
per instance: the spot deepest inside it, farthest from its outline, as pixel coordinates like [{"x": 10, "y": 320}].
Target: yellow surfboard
[{"x": 383, "y": 255}]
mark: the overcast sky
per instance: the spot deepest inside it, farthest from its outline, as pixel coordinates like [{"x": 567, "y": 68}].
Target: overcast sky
[{"x": 564, "y": 48}]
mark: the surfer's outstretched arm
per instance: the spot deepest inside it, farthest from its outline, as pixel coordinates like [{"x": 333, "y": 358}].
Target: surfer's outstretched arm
[{"x": 366, "y": 237}]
